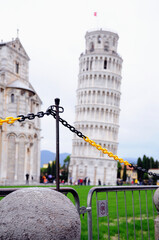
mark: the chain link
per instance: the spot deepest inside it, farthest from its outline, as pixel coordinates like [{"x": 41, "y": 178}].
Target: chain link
[
  {"x": 31, "y": 116},
  {"x": 9, "y": 120}
]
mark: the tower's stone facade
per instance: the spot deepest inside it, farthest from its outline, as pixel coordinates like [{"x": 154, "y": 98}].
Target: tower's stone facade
[
  {"x": 19, "y": 142},
  {"x": 97, "y": 109}
]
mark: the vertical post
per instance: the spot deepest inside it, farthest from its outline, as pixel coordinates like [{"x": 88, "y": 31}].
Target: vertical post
[
  {"x": 57, "y": 102},
  {"x": 156, "y": 202}
]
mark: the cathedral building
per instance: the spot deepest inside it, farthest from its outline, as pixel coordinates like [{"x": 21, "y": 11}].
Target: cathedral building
[
  {"x": 20, "y": 141},
  {"x": 97, "y": 109}
]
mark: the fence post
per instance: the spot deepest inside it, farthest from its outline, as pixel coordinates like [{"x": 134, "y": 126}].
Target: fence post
[
  {"x": 57, "y": 102},
  {"x": 156, "y": 202}
]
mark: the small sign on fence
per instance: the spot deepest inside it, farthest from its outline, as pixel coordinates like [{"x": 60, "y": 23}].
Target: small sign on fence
[{"x": 102, "y": 208}]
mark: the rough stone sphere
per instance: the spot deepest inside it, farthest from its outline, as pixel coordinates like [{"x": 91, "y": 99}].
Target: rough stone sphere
[
  {"x": 156, "y": 199},
  {"x": 38, "y": 213}
]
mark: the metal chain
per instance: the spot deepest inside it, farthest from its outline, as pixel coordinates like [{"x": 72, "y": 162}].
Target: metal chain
[
  {"x": 9, "y": 120},
  {"x": 99, "y": 147},
  {"x": 52, "y": 111},
  {"x": 110, "y": 154},
  {"x": 105, "y": 151},
  {"x": 64, "y": 122},
  {"x": 31, "y": 116},
  {"x": 143, "y": 170}
]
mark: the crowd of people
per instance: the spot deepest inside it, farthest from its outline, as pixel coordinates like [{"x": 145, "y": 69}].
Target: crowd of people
[
  {"x": 47, "y": 178},
  {"x": 51, "y": 179},
  {"x": 84, "y": 181}
]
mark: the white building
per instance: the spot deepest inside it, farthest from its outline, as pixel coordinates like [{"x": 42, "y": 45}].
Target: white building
[
  {"x": 19, "y": 142},
  {"x": 97, "y": 109}
]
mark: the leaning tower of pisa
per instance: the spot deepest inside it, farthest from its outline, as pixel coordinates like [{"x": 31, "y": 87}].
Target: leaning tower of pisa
[{"x": 97, "y": 109}]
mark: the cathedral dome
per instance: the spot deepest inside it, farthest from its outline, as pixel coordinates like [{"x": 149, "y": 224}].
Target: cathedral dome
[{"x": 21, "y": 85}]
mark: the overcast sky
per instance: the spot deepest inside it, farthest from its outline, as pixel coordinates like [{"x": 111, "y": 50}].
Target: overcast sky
[{"x": 52, "y": 33}]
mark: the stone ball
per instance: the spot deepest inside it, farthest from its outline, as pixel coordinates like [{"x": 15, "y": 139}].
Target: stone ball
[
  {"x": 38, "y": 213},
  {"x": 156, "y": 199}
]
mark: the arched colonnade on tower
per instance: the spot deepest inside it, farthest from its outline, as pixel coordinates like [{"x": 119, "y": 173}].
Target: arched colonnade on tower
[
  {"x": 100, "y": 62},
  {"x": 99, "y": 96},
  {"x": 106, "y": 81},
  {"x": 102, "y": 114}
]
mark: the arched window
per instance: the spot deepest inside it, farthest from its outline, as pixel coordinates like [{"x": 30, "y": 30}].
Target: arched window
[
  {"x": 17, "y": 67},
  {"x": 12, "y": 98},
  {"x": 99, "y": 39},
  {"x": 113, "y": 41},
  {"x": 105, "y": 64},
  {"x": 91, "y": 47},
  {"x": 87, "y": 64},
  {"x": 106, "y": 46},
  {"x": 91, "y": 64}
]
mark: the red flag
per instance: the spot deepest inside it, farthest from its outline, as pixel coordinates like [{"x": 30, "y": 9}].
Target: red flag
[{"x": 95, "y": 14}]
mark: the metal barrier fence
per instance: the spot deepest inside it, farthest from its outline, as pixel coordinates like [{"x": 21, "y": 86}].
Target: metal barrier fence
[
  {"x": 65, "y": 190},
  {"x": 119, "y": 212},
  {"x": 123, "y": 212}
]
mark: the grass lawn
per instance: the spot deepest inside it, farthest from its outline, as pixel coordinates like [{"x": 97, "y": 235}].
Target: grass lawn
[{"x": 112, "y": 208}]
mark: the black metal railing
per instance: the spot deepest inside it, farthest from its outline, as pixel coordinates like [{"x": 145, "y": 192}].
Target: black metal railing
[
  {"x": 133, "y": 203},
  {"x": 65, "y": 190}
]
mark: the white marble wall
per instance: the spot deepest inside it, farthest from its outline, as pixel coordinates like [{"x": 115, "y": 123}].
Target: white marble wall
[
  {"x": 19, "y": 142},
  {"x": 97, "y": 109}
]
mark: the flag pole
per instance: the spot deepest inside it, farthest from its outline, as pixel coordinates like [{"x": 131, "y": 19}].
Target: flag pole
[{"x": 96, "y": 21}]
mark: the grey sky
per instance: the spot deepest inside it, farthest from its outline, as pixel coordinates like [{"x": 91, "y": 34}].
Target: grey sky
[{"x": 52, "y": 33}]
